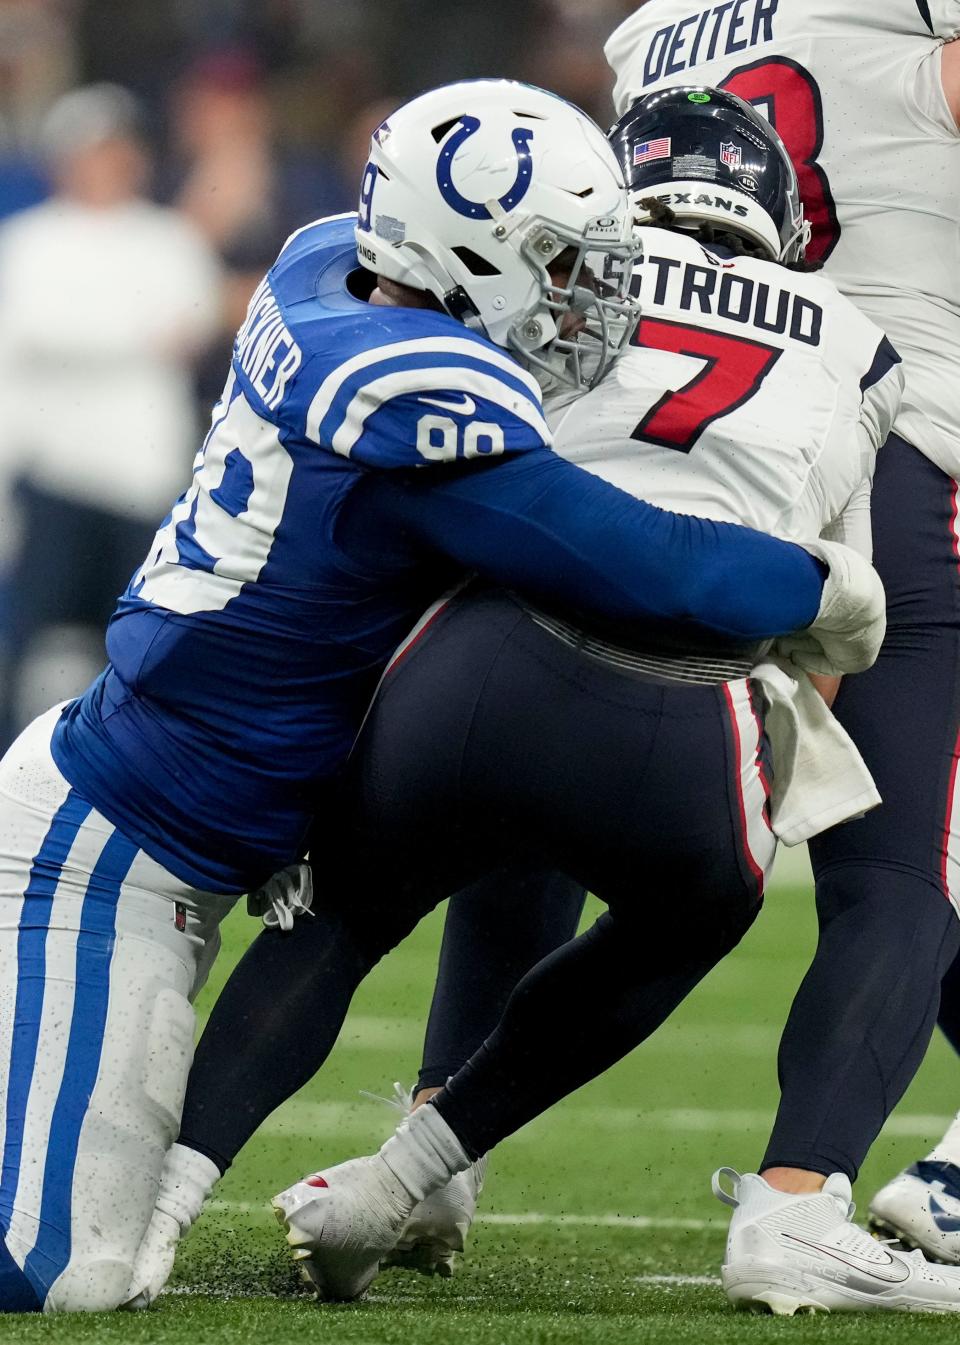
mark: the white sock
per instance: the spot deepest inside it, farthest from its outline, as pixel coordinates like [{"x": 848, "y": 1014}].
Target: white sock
[
  {"x": 186, "y": 1181},
  {"x": 948, "y": 1149},
  {"x": 424, "y": 1153},
  {"x": 757, "y": 1196}
]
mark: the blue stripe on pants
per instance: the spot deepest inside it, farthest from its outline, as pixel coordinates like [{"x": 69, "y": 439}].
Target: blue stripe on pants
[
  {"x": 17, "y": 1294},
  {"x": 95, "y": 944},
  {"x": 31, "y": 972}
]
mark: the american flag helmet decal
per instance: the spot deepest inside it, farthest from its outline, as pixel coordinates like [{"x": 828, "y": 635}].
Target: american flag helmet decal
[{"x": 652, "y": 149}]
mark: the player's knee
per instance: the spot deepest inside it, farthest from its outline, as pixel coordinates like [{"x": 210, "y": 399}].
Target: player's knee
[
  {"x": 892, "y": 901},
  {"x": 739, "y": 918},
  {"x": 92, "y": 1284},
  {"x": 722, "y": 926},
  {"x": 709, "y": 929}
]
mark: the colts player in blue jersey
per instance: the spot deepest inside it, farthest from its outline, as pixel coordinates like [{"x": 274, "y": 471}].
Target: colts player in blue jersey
[{"x": 375, "y": 438}]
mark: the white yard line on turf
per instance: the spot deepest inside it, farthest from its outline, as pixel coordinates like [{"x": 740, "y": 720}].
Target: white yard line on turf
[
  {"x": 534, "y": 1218},
  {"x": 302, "y": 1119},
  {"x": 599, "y": 1221},
  {"x": 677, "y": 1279}
]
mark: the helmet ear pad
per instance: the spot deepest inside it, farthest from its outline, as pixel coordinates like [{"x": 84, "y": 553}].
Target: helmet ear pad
[{"x": 713, "y": 159}]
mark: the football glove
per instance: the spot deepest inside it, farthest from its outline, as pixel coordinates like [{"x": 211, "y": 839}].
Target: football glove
[
  {"x": 283, "y": 897},
  {"x": 846, "y": 635}
]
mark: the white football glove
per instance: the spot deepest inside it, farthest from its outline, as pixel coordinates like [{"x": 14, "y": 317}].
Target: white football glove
[
  {"x": 283, "y": 897},
  {"x": 849, "y": 628},
  {"x": 185, "y": 1183}
]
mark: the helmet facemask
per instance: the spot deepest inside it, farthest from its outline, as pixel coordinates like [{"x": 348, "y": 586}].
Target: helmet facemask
[{"x": 592, "y": 320}]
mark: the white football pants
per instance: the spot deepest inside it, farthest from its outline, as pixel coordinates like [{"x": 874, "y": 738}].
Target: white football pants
[{"x": 101, "y": 952}]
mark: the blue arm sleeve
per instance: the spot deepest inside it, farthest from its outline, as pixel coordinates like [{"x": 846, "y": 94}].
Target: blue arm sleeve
[{"x": 544, "y": 526}]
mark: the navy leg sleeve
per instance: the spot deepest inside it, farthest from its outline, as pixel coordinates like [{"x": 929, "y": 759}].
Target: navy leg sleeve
[
  {"x": 495, "y": 931},
  {"x": 578, "y": 1012},
  {"x": 887, "y": 884},
  {"x": 862, "y": 1019},
  {"x": 651, "y": 793},
  {"x": 281, "y": 1011},
  {"x": 949, "y": 1019}
]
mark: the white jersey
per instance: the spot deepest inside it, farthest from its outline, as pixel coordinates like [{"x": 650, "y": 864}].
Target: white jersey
[
  {"x": 752, "y": 394},
  {"x": 100, "y": 312},
  {"x": 854, "y": 88}
]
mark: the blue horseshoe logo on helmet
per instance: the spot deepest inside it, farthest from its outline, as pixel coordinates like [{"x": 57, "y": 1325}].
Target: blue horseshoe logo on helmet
[{"x": 469, "y": 126}]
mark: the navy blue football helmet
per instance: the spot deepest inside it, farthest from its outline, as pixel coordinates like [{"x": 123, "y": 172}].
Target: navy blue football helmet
[{"x": 712, "y": 159}]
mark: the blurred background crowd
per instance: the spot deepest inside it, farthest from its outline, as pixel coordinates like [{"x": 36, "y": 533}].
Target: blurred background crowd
[{"x": 153, "y": 158}]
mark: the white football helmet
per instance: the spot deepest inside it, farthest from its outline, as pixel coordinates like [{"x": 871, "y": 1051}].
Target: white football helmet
[{"x": 474, "y": 190}]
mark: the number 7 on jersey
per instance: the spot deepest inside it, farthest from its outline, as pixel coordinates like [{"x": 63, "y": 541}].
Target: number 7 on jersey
[{"x": 732, "y": 372}]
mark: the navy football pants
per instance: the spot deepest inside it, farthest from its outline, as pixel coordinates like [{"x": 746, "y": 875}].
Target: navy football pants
[
  {"x": 511, "y": 745},
  {"x": 885, "y": 885},
  {"x": 493, "y": 743}
]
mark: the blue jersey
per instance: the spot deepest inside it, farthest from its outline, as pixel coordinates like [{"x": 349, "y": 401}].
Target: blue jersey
[{"x": 245, "y": 650}]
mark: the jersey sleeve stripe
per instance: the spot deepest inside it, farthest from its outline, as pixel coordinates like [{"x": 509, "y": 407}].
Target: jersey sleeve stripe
[
  {"x": 884, "y": 360},
  {"x": 454, "y": 378},
  {"x": 924, "y": 9},
  {"x": 330, "y": 389},
  {"x": 442, "y": 368}
]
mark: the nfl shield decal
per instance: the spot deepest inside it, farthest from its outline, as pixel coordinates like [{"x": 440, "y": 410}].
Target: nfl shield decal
[{"x": 730, "y": 155}]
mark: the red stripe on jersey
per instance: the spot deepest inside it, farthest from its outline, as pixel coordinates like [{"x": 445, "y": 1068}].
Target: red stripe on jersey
[
  {"x": 417, "y": 634},
  {"x": 761, "y": 770},
  {"x": 752, "y": 864},
  {"x": 952, "y": 787},
  {"x": 948, "y": 820}
]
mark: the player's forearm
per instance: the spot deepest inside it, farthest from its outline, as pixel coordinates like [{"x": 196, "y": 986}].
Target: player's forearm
[{"x": 561, "y": 535}]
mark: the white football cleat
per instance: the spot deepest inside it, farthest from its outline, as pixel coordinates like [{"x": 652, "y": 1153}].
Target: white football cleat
[
  {"x": 185, "y": 1183},
  {"x": 921, "y": 1208},
  {"x": 788, "y": 1254},
  {"x": 341, "y": 1222},
  {"x": 437, "y": 1229}
]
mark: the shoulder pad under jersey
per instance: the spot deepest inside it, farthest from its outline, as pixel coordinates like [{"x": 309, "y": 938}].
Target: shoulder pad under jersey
[{"x": 386, "y": 387}]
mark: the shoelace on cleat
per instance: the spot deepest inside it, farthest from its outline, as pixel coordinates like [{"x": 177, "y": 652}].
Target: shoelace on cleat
[{"x": 402, "y": 1100}]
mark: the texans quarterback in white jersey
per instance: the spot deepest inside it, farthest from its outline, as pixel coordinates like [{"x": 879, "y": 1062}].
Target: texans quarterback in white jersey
[
  {"x": 751, "y": 391},
  {"x": 867, "y": 99},
  {"x": 379, "y": 432}
]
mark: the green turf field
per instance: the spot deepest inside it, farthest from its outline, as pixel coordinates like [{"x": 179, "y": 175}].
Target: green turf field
[{"x": 598, "y": 1223}]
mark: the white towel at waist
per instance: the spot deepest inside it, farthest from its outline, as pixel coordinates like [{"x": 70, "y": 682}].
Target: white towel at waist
[{"x": 819, "y": 777}]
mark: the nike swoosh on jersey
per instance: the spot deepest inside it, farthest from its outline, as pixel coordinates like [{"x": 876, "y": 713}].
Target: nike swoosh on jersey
[
  {"x": 947, "y": 1223},
  {"x": 889, "y": 1271},
  {"x": 467, "y": 407}
]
